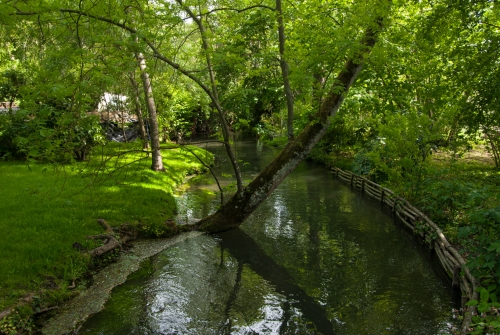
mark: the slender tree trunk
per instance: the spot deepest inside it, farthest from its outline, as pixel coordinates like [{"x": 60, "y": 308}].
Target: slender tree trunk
[
  {"x": 157, "y": 163},
  {"x": 214, "y": 95},
  {"x": 138, "y": 112},
  {"x": 285, "y": 71},
  {"x": 123, "y": 128},
  {"x": 492, "y": 138},
  {"x": 240, "y": 206}
]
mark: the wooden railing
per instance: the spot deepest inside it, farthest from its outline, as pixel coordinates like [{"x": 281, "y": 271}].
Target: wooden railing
[{"x": 420, "y": 224}]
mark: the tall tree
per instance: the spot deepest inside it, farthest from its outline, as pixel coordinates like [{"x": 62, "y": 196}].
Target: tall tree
[
  {"x": 248, "y": 198},
  {"x": 138, "y": 110},
  {"x": 285, "y": 70},
  {"x": 157, "y": 162}
]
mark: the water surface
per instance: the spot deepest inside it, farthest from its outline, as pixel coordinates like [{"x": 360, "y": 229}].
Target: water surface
[{"x": 315, "y": 258}]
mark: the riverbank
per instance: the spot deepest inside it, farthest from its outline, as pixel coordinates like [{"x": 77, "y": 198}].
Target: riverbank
[
  {"x": 461, "y": 194},
  {"x": 92, "y": 300},
  {"x": 48, "y": 210}
]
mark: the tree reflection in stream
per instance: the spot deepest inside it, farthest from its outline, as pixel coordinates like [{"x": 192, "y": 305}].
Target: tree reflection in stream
[{"x": 314, "y": 258}]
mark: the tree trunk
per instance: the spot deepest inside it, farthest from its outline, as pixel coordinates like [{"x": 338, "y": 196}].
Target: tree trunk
[
  {"x": 214, "y": 96},
  {"x": 241, "y": 205},
  {"x": 285, "y": 71},
  {"x": 157, "y": 163},
  {"x": 138, "y": 112}
]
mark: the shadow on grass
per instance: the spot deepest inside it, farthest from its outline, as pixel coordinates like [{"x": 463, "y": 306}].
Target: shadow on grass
[{"x": 44, "y": 212}]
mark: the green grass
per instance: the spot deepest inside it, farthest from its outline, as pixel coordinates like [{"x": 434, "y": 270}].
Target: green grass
[
  {"x": 276, "y": 142},
  {"x": 44, "y": 209}
]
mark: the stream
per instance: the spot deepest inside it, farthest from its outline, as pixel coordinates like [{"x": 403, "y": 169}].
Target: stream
[{"x": 315, "y": 258}]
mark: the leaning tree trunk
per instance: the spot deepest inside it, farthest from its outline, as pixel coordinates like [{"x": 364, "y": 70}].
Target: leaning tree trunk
[
  {"x": 157, "y": 163},
  {"x": 241, "y": 205}
]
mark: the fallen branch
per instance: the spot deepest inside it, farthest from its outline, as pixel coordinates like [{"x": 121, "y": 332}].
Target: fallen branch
[
  {"x": 110, "y": 241},
  {"x": 105, "y": 226}
]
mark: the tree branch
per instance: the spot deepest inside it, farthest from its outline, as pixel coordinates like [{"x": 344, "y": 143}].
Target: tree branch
[
  {"x": 236, "y": 9},
  {"x": 211, "y": 171}
]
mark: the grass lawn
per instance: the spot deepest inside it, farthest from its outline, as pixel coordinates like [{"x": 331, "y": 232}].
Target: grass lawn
[{"x": 44, "y": 209}]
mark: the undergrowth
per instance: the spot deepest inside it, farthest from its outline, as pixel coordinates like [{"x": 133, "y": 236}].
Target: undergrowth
[{"x": 462, "y": 196}]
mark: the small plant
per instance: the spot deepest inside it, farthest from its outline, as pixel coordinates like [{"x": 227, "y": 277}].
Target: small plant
[
  {"x": 428, "y": 233},
  {"x": 16, "y": 323},
  {"x": 159, "y": 229},
  {"x": 482, "y": 239},
  {"x": 487, "y": 320}
]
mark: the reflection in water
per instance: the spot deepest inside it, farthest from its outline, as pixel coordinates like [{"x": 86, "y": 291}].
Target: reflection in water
[{"x": 315, "y": 258}]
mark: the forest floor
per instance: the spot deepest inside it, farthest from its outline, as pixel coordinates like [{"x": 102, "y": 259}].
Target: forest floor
[
  {"x": 49, "y": 210},
  {"x": 477, "y": 155}
]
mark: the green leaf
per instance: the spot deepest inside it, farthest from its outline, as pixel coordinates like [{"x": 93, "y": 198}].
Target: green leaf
[
  {"x": 495, "y": 324},
  {"x": 493, "y": 246},
  {"x": 472, "y": 303},
  {"x": 491, "y": 288},
  {"x": 483, "y": 307},
  {"x": 484, "y": 295}
]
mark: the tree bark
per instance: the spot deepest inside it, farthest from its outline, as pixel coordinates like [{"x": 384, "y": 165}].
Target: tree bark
[
  {"x": 157, "y": 163},
  {"x": 285, "y": 72},
  {"x": 138, "y": 112},
  {"x": 241, "y": 205}
]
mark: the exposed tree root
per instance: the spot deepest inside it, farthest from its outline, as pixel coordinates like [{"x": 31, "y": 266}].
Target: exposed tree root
[{"x": 110, "y": 241}]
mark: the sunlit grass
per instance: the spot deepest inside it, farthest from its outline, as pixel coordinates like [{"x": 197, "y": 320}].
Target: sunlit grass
[{"x": 45, "y": 209}]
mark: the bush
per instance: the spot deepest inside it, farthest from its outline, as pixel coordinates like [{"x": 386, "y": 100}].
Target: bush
[
  {"x": 12, "y": 126},
  {"x": 51, "y": 135}
]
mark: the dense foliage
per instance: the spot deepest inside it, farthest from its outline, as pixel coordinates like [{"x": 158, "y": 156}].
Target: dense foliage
[{"x": 430, "y": 85}]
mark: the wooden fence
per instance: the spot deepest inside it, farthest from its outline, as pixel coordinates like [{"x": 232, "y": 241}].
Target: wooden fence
[{"x": 420, "y": 224}]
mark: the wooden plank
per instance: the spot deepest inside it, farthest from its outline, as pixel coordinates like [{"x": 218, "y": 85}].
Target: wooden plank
[
  {"x": 443, "y": 261},
  {"x": 347, "y": 180},
  {"x": 465, "y": 288},
  {"x": 451, "y": 258},
  {"x": 368, "y": 181},
  {"x": 376, "y": 196},
  {"x": 408, "y": 215},
  {"x": 405, "y": 222},
  {"x": 373, "y": 189}
]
